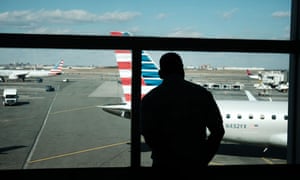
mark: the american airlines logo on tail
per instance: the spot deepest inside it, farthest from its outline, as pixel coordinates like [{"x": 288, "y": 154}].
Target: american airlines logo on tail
[
  {"x": 149, "y": 77},
  {"x": 57, "y": 69}
]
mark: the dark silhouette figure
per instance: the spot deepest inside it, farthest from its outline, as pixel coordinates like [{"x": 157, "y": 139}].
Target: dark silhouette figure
[{"x": 175, "y": 116}]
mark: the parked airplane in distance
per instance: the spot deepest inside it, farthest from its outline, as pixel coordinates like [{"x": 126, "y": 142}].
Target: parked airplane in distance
[
  {"x": 22, "y": 74},
  {"x": 253, "y": 76},
  {"x": 282, "y": 87},
  {"x": 262, "y": 123}
]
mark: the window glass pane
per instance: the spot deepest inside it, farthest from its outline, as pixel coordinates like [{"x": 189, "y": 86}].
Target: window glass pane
[
  {"x": 62, "y": 127},
  {"x": 76, "y": 133},
  {"x": 257, "y": 19},
  {"x": 251, "y": 122},
  {"x": 213, "y": 19}
]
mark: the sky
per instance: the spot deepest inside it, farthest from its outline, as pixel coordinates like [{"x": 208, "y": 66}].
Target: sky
[{"x": 255, "y": 19}]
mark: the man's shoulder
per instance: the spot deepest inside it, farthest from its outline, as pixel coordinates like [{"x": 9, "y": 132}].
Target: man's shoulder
[
  {"x": 197, "y": 87},
  {"x": 151, "y": 93}
]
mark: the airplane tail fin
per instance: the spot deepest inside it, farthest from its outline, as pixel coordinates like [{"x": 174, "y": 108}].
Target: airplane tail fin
[
  {"x": 57, "y": 69},
  {"x": 149, "y": 77},
  {"x": 248, "y": 72}
]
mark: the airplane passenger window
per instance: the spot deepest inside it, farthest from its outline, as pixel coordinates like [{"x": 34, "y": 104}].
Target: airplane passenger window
[
  {"x": 273, "y": 117},
  {"x": 250, "y": 116},
  {"x": 228, "y": 116},
  {"x": 239, "y": 116},
  {"x": 285, "y": 117},
  {"x": 262, "y": 117}
]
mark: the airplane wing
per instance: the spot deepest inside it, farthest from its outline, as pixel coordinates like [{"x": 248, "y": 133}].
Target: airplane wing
[
  {"x": 124, "y": 106},
  {"x": 122, "y": 110},
  {"x": 18, "y": 75}
]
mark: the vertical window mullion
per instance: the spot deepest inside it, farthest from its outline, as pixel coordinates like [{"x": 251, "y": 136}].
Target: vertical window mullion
[
  {"x": 293, "y": 156},
  {"x": 135, "y": 107}
]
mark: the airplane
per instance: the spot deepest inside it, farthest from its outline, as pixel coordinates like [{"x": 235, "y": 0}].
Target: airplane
[
  {"x": 282, "y": 87},
  {"x": 253, "y": 76},
  {"x": 22, "y": 74},
  {"x": 251, "y": 121}
]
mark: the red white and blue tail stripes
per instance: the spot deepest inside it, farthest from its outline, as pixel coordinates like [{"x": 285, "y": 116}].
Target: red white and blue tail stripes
[
  {"x": 57, "y": 69},
  {"x": 149, "y": 77}
]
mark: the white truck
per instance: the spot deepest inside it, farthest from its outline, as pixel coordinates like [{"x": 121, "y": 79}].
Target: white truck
[{"x": 10, "y": 96}]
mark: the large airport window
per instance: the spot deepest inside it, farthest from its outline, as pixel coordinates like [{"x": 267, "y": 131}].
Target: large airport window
[
  {"x": 63, "y": 126},
  {"x": 239, "y": 68},
  {"x": 68, "y": 125},
  {"x": 82, "y": 117}
]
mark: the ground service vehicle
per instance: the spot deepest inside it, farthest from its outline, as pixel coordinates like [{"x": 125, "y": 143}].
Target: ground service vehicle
[
  {"x": 10, "y": 96},
  {"x": 50, "y": 88}
]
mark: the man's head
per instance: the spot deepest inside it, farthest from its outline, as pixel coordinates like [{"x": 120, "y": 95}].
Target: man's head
[{"x": 171, "y": 64}]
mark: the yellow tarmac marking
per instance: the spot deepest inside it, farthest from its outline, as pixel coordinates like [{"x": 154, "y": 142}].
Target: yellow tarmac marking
[
  {"x": 267, "y": 160},
  {"x": 78, "y": 152},
  {"x": 74, "y": 109}
]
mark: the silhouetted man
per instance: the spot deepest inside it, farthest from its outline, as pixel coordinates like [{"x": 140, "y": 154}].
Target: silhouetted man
[{"x": 175, "y": 116}]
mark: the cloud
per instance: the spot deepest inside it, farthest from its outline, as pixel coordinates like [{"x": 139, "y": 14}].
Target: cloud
[
  {"x": 229, "y": 14},
  {"x": 45, "y": 30},
  {"x": 117, "y": 16},
  {"x": 185, "y": 32},
  {"x": 281, "y": 14},
  {"x": 161, "y": 16},
  {"x": 29, "y": 17}
]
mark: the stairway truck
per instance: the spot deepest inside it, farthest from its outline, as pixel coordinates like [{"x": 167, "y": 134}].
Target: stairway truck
[{"x": 10, "y": 96}]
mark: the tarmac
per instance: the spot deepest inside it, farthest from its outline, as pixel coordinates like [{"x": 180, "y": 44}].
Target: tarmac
[{"x": 66, "y": 129}]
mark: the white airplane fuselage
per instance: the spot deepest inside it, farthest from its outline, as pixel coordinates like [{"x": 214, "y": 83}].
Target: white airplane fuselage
[
  {"x": 40, "y": 73},
  {"x": 262, "y": 123},
  {"x": 255, "y": 122}
]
